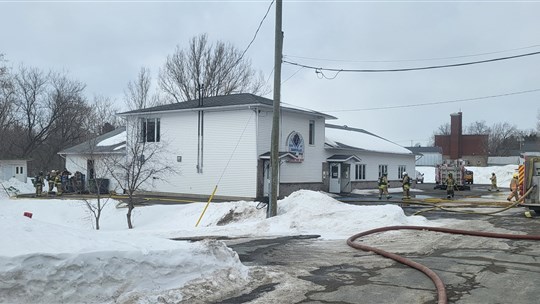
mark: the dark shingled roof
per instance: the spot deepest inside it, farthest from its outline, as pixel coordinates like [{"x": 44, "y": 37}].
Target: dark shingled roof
[
  {"x": 91, "y": 147},
  {"x": 234, "y": 100}
]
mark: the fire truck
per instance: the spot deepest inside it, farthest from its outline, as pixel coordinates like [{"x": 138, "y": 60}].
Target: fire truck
[
  {"x": 457, "y": 168},
  {"x": 529, "y": 181}
]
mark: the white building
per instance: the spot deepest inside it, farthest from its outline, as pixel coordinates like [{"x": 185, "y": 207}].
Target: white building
[
  {"x": 224, "y": 141},
  {"x": 427, "y": 156},
  {"x": 88, "y": 157},
  {"x": 13, "y": 168}
]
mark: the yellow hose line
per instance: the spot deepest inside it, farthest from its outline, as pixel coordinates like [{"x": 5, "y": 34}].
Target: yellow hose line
[
  {"x": 205, "y": 207},
  {"x": 447, "y": 208}
]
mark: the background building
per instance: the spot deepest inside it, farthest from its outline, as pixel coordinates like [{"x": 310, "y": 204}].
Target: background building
[{"x": 473, "y": 149}]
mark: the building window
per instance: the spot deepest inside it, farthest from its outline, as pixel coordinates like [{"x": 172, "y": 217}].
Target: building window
[
  {"x": 150, "y": 130},
  {"x": 360, "y": 173},
  {"x": 401, "y": 169},
  {"x": 383, "y": 169},
  {"x": 312, "y": 132},
  {"x": 22, "y": 170}
]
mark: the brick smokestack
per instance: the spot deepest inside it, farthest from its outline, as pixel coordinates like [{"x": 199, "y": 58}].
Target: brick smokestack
[{"x": 455, "y": 135}]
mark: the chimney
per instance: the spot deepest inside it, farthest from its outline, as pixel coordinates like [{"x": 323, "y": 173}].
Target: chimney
[{"x": 455, "y": 135}]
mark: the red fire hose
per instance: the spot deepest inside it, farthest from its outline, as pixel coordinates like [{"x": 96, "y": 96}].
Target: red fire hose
[{"x": 441, "y": 290}]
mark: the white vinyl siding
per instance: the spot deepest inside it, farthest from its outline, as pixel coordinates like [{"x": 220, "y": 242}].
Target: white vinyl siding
[
  {"x": 310, "y": 170},
  {"x": 372, "y": 160},
  {"x": 79, "y": 163},
  {"x": 229, "y": 153}
]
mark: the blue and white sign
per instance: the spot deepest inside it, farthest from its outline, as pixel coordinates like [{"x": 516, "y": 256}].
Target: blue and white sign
[{"x": 295, "y": 145}]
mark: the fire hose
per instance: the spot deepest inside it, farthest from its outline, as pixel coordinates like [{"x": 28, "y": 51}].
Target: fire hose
[
  {"x": 438, "y": 207},
  {"x": 441, "y": 290}
]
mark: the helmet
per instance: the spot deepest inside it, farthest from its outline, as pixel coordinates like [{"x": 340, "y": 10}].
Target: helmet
[
  {"x": 515, "y": 175},
  {"x": 385, "y": 174},
  {"x": 40, "y": 172},
  {"x": 450, "y": 174},
  {"x": 493, "y": 173},
  {"x": 404, "y": 173}
]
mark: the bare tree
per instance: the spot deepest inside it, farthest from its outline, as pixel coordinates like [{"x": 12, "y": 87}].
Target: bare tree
[
  {"x": 477, "y": 127},
  {"x": 103, "y": 118},
  {"x": 538, "y": 122},
  {"x": 7, "y": 102},
  {"x": 502, "y": 138},
  {"x": 137, "y": 95},
  {"x": 220, "y": 69},
  {"x": 142, "y": 162}
]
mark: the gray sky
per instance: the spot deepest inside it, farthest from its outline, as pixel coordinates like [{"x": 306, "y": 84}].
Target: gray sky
[{"x": 104, "y": 44}]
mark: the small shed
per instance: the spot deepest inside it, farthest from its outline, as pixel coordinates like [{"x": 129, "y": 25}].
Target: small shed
[{"x": 13, "y": 168}]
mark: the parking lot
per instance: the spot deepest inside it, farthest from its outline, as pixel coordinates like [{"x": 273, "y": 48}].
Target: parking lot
[{"x": 307, "y": 269}]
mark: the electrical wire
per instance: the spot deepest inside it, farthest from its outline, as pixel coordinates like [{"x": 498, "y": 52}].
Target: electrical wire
[
  {"x": 291, "y": 75},
  {"x": 412, "y": 60},
  {"x": 435, "y": 103},
  {"x": 257, "y": 31},
  {"x": 319, "y": 69}
]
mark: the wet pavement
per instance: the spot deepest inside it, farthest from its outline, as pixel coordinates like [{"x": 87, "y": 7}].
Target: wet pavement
[{"x": 474, "y": 269}]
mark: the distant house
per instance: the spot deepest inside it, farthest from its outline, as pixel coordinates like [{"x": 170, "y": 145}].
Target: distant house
[
  {"x": 13, "y": 168},
  {"x": 470, "y": 148},
  {"x": 224, "y": 141},
  {"x": 427, "y": 156},
  {"x": 88, "y": 156}
]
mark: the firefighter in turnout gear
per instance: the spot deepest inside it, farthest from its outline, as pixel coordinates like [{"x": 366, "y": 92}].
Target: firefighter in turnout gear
[
  {"x": 50, "y": 180},
  {"x": 514, "y": 187},
  {"x": 38, "y": 183},
  {"x": 493, "y": 180},
  {"x": 383, "y": 186},
  {"x": 406, "y": 185},
  {"x": 450, "y": 185},
  {"x": 58, "y": 184}
]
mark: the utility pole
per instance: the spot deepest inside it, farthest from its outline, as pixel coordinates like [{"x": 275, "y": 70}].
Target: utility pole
[{"x": 274, "y": 152}]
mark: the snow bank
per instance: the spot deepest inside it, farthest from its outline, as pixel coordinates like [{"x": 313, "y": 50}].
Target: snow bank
[
  {"x": 57, "y": 257},
  {"x": 481, "y": 174}
]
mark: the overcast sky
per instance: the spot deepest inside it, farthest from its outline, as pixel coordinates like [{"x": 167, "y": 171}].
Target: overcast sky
[{"x": 105, "y": 43}]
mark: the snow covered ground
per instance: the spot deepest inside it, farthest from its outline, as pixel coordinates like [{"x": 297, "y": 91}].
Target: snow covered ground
[
  {"x": 57, "y": 257},
  {"x": 481, "y": 174}
]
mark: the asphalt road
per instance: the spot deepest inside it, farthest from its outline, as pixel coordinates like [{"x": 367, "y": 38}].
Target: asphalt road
[{"x": 306, "y": 269}]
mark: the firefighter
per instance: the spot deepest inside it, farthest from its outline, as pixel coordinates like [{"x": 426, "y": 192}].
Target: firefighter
[
  {"x": 450, "y": 185},
  {"x": 38, "y": 183},
  {"x": 50, "y": 180},
  {"x": 78, "y": 182},
  {"x": 406, "y": 185},
  {"x": 493, "y": 180},
  {"x": 383, "y": 186},
  {"x": 65, "y": 180},
  {"x": 58, "y": 184},
  {"x": 514, "y": 186}
]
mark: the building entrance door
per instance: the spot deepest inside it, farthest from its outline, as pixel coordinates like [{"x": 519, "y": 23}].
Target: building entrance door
[{"x": 335, "y": 178}]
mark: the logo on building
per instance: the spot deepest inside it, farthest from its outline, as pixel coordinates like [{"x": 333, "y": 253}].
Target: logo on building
[{"x": 295, "y": 146}]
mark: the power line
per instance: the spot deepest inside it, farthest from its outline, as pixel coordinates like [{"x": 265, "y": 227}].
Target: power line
[
  {"x": 318, "y": 69},
  {"x": 412, "y": 60},
  {"x": 435, "y": 103},
  {"x": 257, "y": 31}
]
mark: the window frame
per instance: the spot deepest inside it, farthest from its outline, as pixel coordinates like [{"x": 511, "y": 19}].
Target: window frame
[
  {"x": 383, "y": 169},
  {"x": 360, "y": 171},
  {"x": 311, "y": 137},
  {"x": 401, "y": 169},
  {"x": 150, "y": 128}
]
